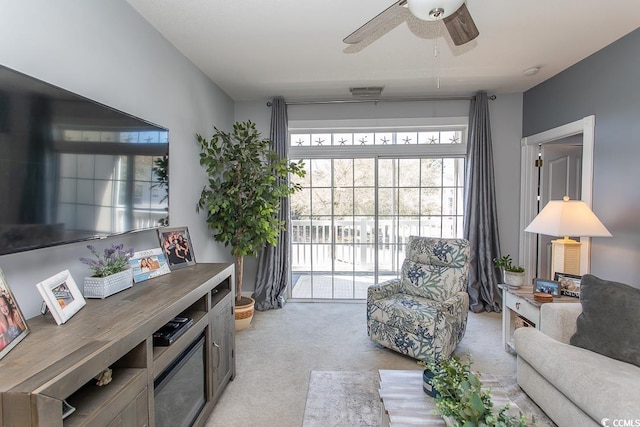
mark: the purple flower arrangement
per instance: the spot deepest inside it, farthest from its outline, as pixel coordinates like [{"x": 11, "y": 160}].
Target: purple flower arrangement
[{"x": 115, "y": 260}]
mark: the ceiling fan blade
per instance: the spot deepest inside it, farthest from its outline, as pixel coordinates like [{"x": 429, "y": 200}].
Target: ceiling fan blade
[
  {"x": 461, "y": 27},
  {"x": 376, "y": 23}
]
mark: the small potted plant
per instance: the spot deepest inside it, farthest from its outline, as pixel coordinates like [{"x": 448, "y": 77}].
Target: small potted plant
[
  {"x": 111, "y": 272},
  {"x": 512, "y": 275},
  {"x": 460, "y": 398}
]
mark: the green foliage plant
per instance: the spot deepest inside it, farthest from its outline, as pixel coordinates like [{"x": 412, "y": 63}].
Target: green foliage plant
[
  {"x": 461, "y": 398},
  {"x": 246, "y": 184},
  {"x": 506, "y": 263}
]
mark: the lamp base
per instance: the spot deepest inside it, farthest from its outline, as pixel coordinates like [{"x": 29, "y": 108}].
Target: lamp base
[{"x": 565, "y": 256}]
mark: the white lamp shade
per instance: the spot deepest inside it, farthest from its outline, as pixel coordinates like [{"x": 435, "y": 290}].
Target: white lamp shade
[
  {"x": 421, "y": 8},
  {"x": 567, "y": 218}
]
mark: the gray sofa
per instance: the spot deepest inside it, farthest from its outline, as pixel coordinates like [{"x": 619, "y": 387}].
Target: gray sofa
[{"x": 572, "y": 385}]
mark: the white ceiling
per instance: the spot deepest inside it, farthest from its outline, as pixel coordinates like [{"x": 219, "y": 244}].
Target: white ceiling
[{"x": 256, "y": 49}]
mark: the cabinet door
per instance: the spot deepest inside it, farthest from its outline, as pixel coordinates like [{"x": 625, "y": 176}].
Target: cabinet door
[{"x": 223, "y": 340}]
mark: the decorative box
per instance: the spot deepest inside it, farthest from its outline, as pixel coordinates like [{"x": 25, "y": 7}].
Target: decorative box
[{"x": 102, "y": 287}]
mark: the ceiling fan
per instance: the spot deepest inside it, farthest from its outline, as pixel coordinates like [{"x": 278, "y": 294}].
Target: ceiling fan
[{"x": 453, "y": 13}]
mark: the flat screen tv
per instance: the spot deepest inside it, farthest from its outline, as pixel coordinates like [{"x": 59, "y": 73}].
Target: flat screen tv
[{"x": 73, "y": 169}]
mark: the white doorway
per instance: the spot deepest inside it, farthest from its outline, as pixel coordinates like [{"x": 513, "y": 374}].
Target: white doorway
[
  {"x": 560, "y": 175},
  {"x": 567, "y": 168}
]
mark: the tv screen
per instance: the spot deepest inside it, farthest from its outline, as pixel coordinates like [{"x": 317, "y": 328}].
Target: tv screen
[{"x": 72, "y": 169}]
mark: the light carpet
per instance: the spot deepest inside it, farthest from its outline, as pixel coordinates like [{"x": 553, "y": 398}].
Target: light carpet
[{"x": 350, "y": 399}]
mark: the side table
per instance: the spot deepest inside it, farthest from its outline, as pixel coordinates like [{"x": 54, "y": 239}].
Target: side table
[
  {"x": 404, "y": 403},
  {"x": 518, "y": 305}
]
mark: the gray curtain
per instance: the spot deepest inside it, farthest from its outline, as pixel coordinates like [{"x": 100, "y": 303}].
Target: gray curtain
[
  {"x": 273, "y": 265},
  {"x": 480, "y": 213}
]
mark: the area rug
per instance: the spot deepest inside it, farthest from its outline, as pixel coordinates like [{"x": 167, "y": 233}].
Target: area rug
[
  {"x": 342, "y": 399},
  {"x": 350, "y": 399}
]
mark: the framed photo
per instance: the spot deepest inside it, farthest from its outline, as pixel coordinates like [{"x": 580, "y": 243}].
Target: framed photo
[
  {"x": 62, "y": 296},
  {"x": 13, "y": 327},
  {"x": 148, "y": 264},
  {"x": 550, "y": 287},
  {"x": 569, "y": 284},
  {"x": 177, "y": 248}
]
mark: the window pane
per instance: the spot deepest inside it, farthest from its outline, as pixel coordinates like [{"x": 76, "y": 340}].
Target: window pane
[
  {"x": 343, "y": 201},
  {"x": 431, "y": 175},
  {"x": 386, "y": 172},
  {"x": 409, "y": 201},
  {"x": 409, "y": 172},
  {"x": 430, "y": 201},
  {"x": 364, "y": 201},
  {"x": 300, "y": 203},
  {"x": 321, "y": 173},
  {"x": 300, "y": 140},
  {"x": 343, "y": 172},
  {"x": 387, "y": 205},
  {"x": 343, "y": 139},
  {"x": 318, "y": 139},
  {"x": 364, "y": 172},
  {"x": 321, "y": 201}
]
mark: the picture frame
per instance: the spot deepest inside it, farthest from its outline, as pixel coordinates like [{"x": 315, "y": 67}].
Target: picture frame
[
  {"x": 569, "y": 284},
  {"x": 62, "y": 296},
  {"x": 13, "y": 326},
  {"x": 148, "y": 264},
  {"x": 544, "y": 286},
  {"x": 175, "y": 242}
]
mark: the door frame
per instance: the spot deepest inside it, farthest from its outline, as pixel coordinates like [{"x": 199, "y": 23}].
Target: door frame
[{"x": 529, "y": 186}]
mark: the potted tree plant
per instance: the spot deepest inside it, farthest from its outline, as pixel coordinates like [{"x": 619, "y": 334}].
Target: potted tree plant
[
  {"x": 247, "y": 181},
  {"x": 513, "y": 275}
]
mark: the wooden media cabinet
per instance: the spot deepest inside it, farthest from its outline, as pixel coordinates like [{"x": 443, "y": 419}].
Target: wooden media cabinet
[{"x": 55, "y": 363}]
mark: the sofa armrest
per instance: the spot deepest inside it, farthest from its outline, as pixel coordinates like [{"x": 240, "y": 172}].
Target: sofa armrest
[
  {"x": 383, "y": 290},
  {"x": 559, "y": 320}
]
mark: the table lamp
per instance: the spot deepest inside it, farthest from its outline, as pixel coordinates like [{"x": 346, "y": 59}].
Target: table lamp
[{"x": 564, "y": 218}]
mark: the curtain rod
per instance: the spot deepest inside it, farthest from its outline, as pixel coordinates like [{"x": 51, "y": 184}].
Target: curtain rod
[{"x": 376, "y": 100}]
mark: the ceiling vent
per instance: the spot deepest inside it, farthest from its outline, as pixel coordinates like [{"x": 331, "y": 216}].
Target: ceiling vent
[{"x": 366, "y": 92}]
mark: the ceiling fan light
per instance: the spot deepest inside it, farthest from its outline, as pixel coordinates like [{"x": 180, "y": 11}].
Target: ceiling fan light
[{"x": 433, "y": 10}]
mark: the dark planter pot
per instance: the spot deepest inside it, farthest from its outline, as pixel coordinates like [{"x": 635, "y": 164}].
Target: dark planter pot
[{"x": 428, "y": 388}]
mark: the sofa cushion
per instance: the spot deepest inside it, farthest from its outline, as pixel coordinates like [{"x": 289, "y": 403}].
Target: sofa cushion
[
  {"x": 601, "y": 386},
  {"x": 610, "y": 320}
]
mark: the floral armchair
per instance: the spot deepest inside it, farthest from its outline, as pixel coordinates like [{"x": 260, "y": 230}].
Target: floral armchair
[{"x": 423, "y": 314}]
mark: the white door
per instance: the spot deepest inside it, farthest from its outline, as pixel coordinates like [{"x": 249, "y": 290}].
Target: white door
[{"x": 560, "y": 175}]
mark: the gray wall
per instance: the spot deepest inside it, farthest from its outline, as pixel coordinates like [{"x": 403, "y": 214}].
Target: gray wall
[
  {"x": 104, "y": 50},
  {"x": 606, "y": 85}
]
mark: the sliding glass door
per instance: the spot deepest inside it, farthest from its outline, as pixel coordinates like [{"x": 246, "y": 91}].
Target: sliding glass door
[{"x": 352, "y": 219}]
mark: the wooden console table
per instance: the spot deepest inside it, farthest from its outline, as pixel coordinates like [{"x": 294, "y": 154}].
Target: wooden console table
[
  {"x": 518, "y": 305},
  {"x": 55, "y": 363}
]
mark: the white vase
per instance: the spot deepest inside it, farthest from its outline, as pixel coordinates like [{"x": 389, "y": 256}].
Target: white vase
[{"x": 102, "y": 287}]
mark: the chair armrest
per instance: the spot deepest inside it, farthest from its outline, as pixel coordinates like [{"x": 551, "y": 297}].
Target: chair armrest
[
  {"x": 383, "y": 290},
  {"x": 455, "y": 303},
  {"x": 559, "y": 320}
]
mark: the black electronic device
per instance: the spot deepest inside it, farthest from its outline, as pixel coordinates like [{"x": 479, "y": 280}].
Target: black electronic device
[
  {"x": 171, "y": 331},
  {"x": 73, "y": 169}
]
